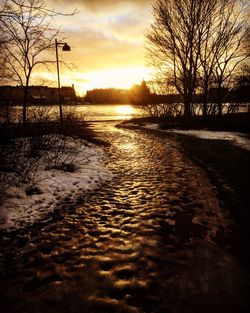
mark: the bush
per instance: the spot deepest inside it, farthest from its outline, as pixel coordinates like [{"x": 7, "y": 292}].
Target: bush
[
  {"x": 25, "y": 148},
  {"x": 162, "y": 110}
]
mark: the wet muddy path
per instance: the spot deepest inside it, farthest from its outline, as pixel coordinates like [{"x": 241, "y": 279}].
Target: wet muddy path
[{"x": 151, "y": 240}]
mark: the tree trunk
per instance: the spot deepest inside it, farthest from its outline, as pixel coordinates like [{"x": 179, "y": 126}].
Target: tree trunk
[
  {"x": 25, "y": 97},
  {"x": 187, "y": 106},
  {"x": 219, "y": 99},
  {"x": 25, "y": 100},
  {"x": 205, "y": 96}
]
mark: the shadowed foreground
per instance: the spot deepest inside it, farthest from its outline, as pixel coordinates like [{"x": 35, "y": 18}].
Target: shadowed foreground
[{"x": 152, "y": 240}]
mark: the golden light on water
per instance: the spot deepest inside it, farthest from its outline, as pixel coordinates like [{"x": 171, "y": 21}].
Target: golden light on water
[
  {"x": 125, "y": 111},
  {"x": 105, "y": 112}
]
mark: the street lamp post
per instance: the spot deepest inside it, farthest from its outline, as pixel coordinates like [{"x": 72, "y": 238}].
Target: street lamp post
[{"x": 65, "y": 47}]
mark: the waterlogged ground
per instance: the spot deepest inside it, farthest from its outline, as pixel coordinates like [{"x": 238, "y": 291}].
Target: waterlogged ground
[{"x": 152, "y": 240}]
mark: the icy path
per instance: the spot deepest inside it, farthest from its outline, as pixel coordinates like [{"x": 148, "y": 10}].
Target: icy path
[{"x": 151, "y": 240}]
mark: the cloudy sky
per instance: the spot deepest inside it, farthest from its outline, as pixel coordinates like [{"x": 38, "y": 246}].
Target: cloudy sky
[{"x": 107, "y": 41}]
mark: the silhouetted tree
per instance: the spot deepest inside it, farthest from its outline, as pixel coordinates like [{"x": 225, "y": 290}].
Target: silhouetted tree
[
  {"x": 197, "y": 43},
  {"x": 140, "y": 94},
  {"x": 232, "y": 52},
  {"x": 29, "y": 35},
  {"x": 2, "y": 41},
  {"x": 222, "y": 47},
  {"x": 173, "y": 41},
  {"x": 242, "y": 85}
]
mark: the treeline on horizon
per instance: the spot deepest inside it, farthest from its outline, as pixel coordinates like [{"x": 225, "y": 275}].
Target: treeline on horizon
[{"x": 142, "y": 95}]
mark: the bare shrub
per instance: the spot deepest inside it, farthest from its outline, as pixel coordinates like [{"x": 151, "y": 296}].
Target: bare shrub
[
  {"x": 22, "y": 158},
  {"x": 62, "y": 152},
  {"x": 41, "y": 114},
  {"x": 17, "y": 167},
  {"x": 44, "y": 144},
  {"x": 163, "y": 110},
  {"x": 10, "y": 114}
]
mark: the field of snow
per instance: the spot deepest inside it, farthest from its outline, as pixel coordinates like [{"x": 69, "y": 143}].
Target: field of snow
[{"x": 52, "y": 185}]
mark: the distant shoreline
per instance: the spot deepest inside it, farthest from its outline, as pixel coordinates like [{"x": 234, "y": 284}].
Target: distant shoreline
[{"x": 241, "y": 104}]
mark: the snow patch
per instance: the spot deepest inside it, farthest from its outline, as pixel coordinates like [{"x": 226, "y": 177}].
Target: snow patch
[
  {"x": 238, "y": 139},
  {"x": 18, "y": 209},
  {"x": 151, "y": 126}
]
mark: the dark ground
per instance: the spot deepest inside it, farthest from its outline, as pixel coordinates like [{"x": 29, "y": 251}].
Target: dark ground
[
  {"x": 228, "y": 168},
  {"x": 159, "y": 238}
]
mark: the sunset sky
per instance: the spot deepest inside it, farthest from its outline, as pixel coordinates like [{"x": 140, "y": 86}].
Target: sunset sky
[{"x": 107, "y": 42}]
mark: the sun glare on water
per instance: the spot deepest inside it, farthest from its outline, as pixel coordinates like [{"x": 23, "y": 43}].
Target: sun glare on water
[{"x": 125, "y": 111}]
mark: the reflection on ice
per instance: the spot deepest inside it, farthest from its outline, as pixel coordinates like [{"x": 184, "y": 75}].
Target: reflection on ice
[
  {"x": 125, "y": 111},
  {"x": 105, "y": 112},
  {"x": 128, "y": 146}
]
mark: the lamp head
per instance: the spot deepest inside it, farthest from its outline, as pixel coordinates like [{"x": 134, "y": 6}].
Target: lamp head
[{"x": 66, "y": 47}]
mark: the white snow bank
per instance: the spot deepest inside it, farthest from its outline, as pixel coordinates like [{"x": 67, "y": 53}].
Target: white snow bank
[
  {"x": 18, "y": 209},
  {"x": 238, "y": 139},
  {"x": 151, "y": 126}
]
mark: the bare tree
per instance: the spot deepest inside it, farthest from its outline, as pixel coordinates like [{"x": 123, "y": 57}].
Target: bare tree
[
  {"x": 232, "y": 53},
  {"x": 2, "y": 40},
  {"x": 210, "y": 46},
  {"x": 29, "y": 39},
  {"x": 223, "y": 47},
  {"x": 173, "y": 42},
  {"x": 197, "y": 40}
]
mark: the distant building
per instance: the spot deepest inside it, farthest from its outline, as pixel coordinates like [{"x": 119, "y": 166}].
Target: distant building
[
  {"x": 68, "y": 94},
  {"x": 37, "y": 95},
  {"x": 10, "y": 94}
]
